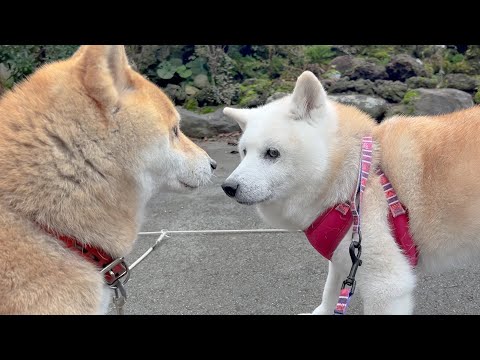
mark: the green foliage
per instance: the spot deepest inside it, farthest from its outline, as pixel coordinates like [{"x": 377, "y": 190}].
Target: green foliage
[
  {"x": 243, "y": 74},
  {"x": 319, "y": 54},
  {"x": 191, "y": 104},
  {"x": 251, "y": 67},
  {"x": 168, "y": 68},
  {"x": 207, "y": 109},
  {"x": 381, "y": 53},
  {"x": 454, "y": 57},
  {"x": 410, "y": 96},
  {"x": 22, "y": 60},
  {"x": 476, "y": 98}
]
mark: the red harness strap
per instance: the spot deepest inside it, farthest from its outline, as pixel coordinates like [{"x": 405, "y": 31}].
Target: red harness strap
[
  {"x": 96, "y": 256},
  {"x": 330, "y": 228},
  {"x": 398, "y": 219}
]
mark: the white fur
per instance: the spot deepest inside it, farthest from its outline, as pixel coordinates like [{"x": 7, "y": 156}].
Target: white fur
[{"x": 290, "y": 193}]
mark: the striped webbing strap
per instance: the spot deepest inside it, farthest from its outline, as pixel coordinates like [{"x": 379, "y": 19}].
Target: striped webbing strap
[
  {"x": 394, "y": 204},
  {"x": 364, "y": 171}
]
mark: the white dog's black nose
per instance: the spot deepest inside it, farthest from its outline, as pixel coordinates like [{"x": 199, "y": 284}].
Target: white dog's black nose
[
  {"x": 230, "y": 189},
  {"x": 213, "y": 164}
]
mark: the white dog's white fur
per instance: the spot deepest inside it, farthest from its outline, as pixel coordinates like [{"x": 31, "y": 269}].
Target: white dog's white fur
[{"x": 318, "y": 142}]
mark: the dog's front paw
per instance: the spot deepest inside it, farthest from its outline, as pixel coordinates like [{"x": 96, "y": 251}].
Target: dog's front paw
[{"x": 322, "y": 310}]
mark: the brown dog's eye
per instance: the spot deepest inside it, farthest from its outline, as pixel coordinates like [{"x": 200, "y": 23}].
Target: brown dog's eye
[{"x": 175, "y": 131}]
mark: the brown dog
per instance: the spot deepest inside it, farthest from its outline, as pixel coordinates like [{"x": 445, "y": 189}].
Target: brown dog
[{"x": 83, "y": 144}]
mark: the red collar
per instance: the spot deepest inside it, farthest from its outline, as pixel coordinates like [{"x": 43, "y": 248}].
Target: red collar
[
  {"x": 112, "y": 269},
  {"x": 330, "y": 228}
]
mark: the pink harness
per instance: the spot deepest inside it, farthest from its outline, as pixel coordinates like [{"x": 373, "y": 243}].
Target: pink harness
[{"x": 330, "y": 228}]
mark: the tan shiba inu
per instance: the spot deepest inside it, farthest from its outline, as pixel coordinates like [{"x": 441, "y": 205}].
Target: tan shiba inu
[
  {"x": 300, "y": 156},
  {"x": 83, "y": 144}
]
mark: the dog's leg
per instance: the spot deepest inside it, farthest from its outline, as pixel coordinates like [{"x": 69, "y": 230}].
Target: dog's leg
[
  {"x": 388, "y": 296},
  {"x": 388, "y": 305},
  {"x": 330, "y": 291}
]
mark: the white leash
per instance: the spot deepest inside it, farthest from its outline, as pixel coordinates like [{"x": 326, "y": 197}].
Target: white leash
[{"x": 164, "y": 234}]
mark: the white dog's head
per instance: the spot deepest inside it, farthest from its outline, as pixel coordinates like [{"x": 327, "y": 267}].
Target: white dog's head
[{"x": 285, "y": 145}]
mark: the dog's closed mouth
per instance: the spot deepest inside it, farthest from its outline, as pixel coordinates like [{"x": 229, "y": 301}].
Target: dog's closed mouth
[
  {"x": 187, "y": 185},
  {"x": 254, "y": 202}
]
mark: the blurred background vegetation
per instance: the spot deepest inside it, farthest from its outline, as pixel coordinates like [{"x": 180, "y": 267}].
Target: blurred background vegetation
[{"x": 203, "y": 77}]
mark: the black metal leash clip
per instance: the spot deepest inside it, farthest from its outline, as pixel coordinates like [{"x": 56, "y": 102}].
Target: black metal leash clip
[{"x": 355, "y": 245}]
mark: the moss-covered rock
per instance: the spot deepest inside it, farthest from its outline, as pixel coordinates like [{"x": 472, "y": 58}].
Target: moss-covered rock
[
  {"x": 346, "y": 86},
  {"x": 176, "y": 93},
  {"x": 435, "y": 101},
  {"x": 460, "y": 81},
  {"x": 207, "y": 97},
  {"x": 422, "y": 82},
  {"x": 392, "y": 91},
  {"x": 403, "y": 66}
]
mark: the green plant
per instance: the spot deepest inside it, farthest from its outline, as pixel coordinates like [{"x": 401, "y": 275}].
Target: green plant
[
  {"x": 191, "y": 104},
  {"x": 167, "y": 69},
  {"x": 319, "y": 54},
  {"x": 456, "y": 58},
  {"x": 22, "y": 60},
  {"x": 222, "y": 70},
  {"x": 409, "y": 96},
  {"x": 476, "y": 98}
]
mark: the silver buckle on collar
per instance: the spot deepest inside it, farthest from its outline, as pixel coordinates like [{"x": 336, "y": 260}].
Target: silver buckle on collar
[
  {"x": 120, "y": 294},
  {"x": 123, "y": 277}
]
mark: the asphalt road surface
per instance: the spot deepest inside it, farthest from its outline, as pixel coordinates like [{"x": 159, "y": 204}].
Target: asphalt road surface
[{"x": 249, "y": 273}]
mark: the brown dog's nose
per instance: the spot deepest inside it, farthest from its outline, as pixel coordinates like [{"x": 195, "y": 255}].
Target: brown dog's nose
[{"x": 213, "y": 164}]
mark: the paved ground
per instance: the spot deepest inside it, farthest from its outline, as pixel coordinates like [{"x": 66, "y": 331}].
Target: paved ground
[{"x": 249, "y": 274}]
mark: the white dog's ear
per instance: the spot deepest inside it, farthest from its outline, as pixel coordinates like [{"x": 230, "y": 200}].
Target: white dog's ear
[
  {"x": 239, "y": 115},
  {"x": 308, "y": 95}
]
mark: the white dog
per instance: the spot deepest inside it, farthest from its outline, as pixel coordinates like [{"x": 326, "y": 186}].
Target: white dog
[{"x": 301, "y": 156}]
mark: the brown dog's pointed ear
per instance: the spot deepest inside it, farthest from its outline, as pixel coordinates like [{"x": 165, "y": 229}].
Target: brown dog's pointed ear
[{"x": 105, "y": 72}]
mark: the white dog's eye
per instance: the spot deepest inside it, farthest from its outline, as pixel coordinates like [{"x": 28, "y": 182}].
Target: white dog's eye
[
  {"x": 244, "y": 152},
  {"x": 272, "y": 153}
]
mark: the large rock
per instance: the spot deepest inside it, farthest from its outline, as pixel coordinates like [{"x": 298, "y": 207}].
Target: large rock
[
  {"x": 201, "y": 81},
  {"x": 358, "y": 68},
  {"x": 460, "y": 81},
  {"x": 404, "y": 66},
  {"x": 364, "y": 69},
  {"x": 392, "y": 91},
  {"x": 208, "y": 125},
  {"x": 346, "y": 86},
  {"x": 191, "y": 90},
  {"x": 432, "y": 102},
  {"x": 343, "y": 63},
  {"x": 373, "y": 106}
]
